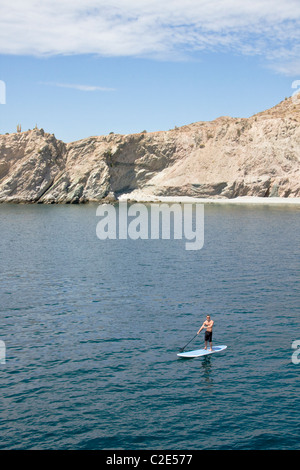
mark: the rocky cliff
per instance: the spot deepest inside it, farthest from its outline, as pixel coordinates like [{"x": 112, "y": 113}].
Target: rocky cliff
[{"x": 225, "y": 158}]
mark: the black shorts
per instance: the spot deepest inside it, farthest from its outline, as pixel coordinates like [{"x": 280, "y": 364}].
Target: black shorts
[{"x": 208, "y": 336}]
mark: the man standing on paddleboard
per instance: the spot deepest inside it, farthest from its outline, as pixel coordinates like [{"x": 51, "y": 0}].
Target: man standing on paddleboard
[{"x": 208, "y": 325}]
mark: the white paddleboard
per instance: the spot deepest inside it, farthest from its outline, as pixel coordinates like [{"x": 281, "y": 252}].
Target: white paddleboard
[{"x": 201, "y": 352}]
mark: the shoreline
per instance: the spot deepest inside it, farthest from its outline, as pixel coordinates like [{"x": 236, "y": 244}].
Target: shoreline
[
  {"x": 148, "y": 199},
  {"x": 189, "y": 199}
]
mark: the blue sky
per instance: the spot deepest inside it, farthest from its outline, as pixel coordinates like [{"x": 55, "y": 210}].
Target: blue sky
[{"x": 81, "y": 68}]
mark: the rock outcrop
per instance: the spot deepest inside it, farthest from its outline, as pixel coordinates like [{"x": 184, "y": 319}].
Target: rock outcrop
[{"x": 225, "y": 158}]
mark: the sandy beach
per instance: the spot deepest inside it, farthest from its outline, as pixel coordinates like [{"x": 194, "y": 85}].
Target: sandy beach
[{"x": 139, "y": 196}]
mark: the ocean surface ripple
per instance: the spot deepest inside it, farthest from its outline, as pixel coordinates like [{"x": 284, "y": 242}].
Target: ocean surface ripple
[{"x": 92, "y": 329}]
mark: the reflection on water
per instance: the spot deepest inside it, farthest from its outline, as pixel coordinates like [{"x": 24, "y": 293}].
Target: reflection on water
[{"x": 206, "y": 366}]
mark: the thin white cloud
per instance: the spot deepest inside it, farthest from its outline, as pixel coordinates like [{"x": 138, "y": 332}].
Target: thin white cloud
[
  {"x": 151, "y": 28},
  {"x": 76, "y": 86}
]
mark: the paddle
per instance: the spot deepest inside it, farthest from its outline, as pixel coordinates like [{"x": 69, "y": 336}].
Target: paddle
[{"x": 182, "y": 349}]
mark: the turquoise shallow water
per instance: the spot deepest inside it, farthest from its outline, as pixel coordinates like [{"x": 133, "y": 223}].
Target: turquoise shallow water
[{"x": 92, "y": 329}]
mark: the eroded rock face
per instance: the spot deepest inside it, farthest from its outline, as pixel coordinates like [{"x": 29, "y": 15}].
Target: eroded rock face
[
  {"x": 225, "y": 158},
  {"x": 30, "y": 162}
]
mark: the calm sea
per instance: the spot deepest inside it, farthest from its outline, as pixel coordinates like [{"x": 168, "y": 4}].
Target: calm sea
[{"x": 92, "y": 328}]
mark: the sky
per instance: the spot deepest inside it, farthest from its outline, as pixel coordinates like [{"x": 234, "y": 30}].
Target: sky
[{"x": 91, "y": 67}]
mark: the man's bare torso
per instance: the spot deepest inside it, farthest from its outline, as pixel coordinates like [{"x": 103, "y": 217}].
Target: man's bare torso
[{"x": 208, "y": 325}]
